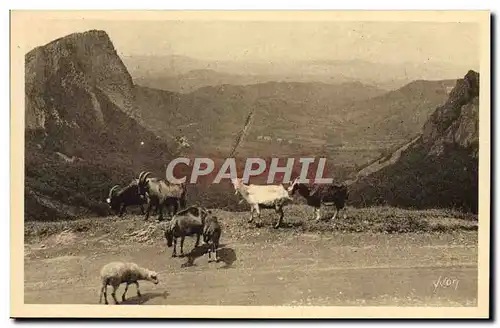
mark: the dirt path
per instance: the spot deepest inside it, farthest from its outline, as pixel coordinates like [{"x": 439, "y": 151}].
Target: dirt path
[{"x": 273, "y": 269}]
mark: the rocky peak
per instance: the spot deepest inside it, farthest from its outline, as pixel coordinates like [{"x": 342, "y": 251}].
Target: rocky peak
[
  {"x": 456, "y": 123},
  {"x": 67, "y": 78}
]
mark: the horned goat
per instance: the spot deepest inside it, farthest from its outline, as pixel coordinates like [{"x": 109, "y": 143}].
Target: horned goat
[
  {"x": 263, "y": 196},
  {"x": 321, "y": 194},
  {"x": 118, "y": 199},
  {"x": 161, "y": 194},
  {"x": 187, "y": 222},
  {"x": 116, "y": 273}
]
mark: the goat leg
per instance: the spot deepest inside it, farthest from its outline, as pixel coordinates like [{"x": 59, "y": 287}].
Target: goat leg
[
  {"x": 209, "y": 253},
  {"x": 317, "y": 212},
  {"x": 142, "y": 209},
  {"x": 122, "y": 209},
  {"x": 174, "y": 252},
  {"x": 197, "y": 240},
  {"x": 335, "y": 215},
  {"x": 216, "y": 255},
  {"x": 159, "y": 208},
  {"x": 345, "y": 212},
  {"x": 257, "y": 209},
  {"x": 182, "y": 245},
  {"x": 279, "y": 210},
  {"x": 251, "y": 214},
  {"x": 216, "y": 246},
  {"x": 148, "y": 210},
  {"x": 177, "y": 206}
]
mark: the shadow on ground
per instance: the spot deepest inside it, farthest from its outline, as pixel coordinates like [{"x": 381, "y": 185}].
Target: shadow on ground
[
  {"x": 137, "y": 300},
  {"x": 195, "y": 253},
  {"x": 225, "y": 254}
]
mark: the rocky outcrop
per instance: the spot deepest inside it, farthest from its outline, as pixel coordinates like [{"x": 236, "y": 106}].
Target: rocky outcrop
[
  {"x": 65, "y": 78},
  {"x": 441, "y": 168},
  {"x": 456, "y": 123}
]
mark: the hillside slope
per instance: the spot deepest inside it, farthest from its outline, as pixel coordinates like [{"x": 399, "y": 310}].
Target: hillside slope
[
  {"x": 81, "y": 131},
  {"x": 400, "y": 113},
  {"x": 441, "y": 168},
  {"x": 210, "y": 117},
  {"x": 293, "y": 118}
]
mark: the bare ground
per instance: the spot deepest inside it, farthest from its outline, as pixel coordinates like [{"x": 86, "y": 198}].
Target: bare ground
[{"x": 289, "y": 266}]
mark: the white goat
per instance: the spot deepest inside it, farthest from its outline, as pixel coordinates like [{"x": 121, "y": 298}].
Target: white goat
[
  {"x": 116, "y": 273},
  {"x": 263, "y": 196}
]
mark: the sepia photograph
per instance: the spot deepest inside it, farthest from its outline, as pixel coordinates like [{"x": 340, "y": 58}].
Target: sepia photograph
[{"x": 250, "y": 164}]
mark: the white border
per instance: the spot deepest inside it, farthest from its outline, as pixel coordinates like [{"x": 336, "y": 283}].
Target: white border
[{"x": 255, "y": 4}]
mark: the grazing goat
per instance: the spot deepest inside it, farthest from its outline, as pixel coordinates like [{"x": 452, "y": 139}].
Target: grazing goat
[
  {"x": 265, "y": 197},
  {"x": 161, "y": 193},
  {"x": 118, "y": 199},
  {"x": 211, "y": 235},
  {"x": 116, "y": 273},
  {"x": 321, "y": 194},
  {"x": 187, "y": 222}
]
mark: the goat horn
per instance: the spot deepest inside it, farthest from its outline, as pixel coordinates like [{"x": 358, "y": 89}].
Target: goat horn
[
  {"x": 141, "y": 174},
  {"x": 112, "y": 190},
  {"x": 145, "y": 176}
]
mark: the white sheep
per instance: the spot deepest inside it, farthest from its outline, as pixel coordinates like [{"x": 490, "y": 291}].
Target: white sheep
[
  {"x": 116, "y": 273},
  {"x": 263, "y": 196}
]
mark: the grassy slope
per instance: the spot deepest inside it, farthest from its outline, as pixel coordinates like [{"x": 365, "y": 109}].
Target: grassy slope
[
  {"x": 211, "y": 116},
  {"x": 419, "y": 180},
  {"x": 297, "y": 217}
]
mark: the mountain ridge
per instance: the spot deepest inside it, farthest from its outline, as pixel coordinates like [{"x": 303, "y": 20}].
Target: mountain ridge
[
  {"x": 449, "y": 139},
  {"x": 387, "y": 76}
]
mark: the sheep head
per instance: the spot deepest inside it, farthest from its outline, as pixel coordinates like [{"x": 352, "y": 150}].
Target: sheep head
[{"x": 153, "y": 277}]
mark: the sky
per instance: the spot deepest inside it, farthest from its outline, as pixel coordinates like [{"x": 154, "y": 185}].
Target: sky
[{"x": 383, "y": 42}]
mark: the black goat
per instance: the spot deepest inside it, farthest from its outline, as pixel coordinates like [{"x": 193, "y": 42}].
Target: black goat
[
  {"x": 322, "y": 194},
  {"x": 161, "y": 194},
  {"x": 188, "y": 222},
  {"x": 211, "y": 235},
  {"x": 118, "y": 199}
]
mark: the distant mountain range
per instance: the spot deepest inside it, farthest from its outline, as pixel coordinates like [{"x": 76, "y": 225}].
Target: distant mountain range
[{"x": 185, "y": 74}]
